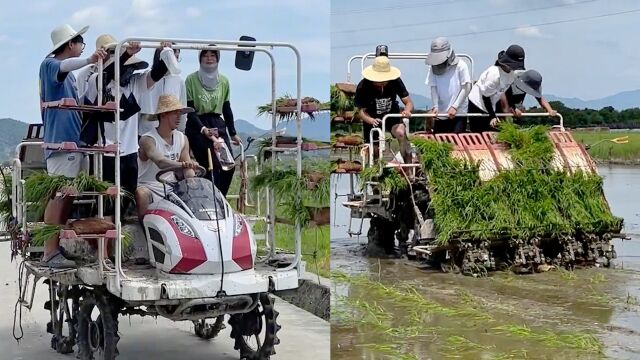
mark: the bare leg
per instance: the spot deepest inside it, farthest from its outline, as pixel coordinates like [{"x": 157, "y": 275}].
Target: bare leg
[
  {"x": 57, "y": 213},
  {"x": 143, "y": 200},
  {"x": 399, "y": 132}
]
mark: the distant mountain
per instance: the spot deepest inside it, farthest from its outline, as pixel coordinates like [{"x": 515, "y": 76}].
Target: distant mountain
[
  {"x": 619, "y": 101},
  {"x": 247, "y": 128},
  {"x": 11, "y": 133},
  {"x": 420, "y": 102},
  {"x": 315, "y": 129}
]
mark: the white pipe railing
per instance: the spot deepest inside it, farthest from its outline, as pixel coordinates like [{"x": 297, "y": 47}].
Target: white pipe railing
[
  {"x": 381, "y": 131},
  {"x": 197, "y": 44}
]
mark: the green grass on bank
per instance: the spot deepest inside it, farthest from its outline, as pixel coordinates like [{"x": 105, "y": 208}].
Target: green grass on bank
[
  {"x": 315, "y": 245},
  {"x": 607, "y": 151},
  {"x": 315, "y": 240}
]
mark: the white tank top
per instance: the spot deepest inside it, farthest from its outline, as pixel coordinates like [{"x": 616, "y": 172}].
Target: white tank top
[{"x": 147, "y": 170}]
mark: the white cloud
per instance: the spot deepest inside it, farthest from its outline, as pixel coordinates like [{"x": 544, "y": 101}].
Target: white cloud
[
  {"x": 93, "y": 15},
  {"x": 529, "y": 31},
  {"x": 474, "y": 28},
  {"x": 146, "y": 8},
  {"x": 193, "y": 12}
]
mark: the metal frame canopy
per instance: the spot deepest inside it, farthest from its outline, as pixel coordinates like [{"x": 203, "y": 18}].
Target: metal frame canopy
[{"x": 223, "y": 45}]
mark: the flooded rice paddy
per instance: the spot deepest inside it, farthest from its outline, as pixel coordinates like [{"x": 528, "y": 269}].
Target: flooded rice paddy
[{"x": 390, "y": 309}]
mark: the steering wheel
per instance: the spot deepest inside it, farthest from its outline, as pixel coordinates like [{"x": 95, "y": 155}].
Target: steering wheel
[{"x": 178, "y": 171}]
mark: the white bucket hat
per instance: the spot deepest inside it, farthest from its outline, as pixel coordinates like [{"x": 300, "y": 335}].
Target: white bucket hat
[
  {"x": 62, "y": 34},
  {"x": 381, "y": 70}
]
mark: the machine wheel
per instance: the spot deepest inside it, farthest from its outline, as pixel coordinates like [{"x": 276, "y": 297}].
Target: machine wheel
[
  {"x": 381, "y": 238},
  {"x": 208, "y": 331},
  {"x": 248, "y": 326},
  {"x": 65, "y": 313},
  {"x": 97, "y": 328}
]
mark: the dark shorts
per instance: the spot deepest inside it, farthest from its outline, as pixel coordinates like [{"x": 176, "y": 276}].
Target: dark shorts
[
  {"x": 128, "y": 179},
  {"x": 456, "y": 125},
  {"x": 479, "y": 124}
]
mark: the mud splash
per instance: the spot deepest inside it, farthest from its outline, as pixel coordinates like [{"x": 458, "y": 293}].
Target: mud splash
[{"x": 389, "y": 309}]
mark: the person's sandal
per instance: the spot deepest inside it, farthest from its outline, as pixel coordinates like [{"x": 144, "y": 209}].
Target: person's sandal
[{"x": 58, "y": 261}]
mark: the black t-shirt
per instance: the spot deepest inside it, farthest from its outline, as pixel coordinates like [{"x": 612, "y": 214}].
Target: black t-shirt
[{"x": 378, "y": 104}]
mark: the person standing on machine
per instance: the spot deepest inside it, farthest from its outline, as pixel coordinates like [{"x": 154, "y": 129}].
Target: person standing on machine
[{"x": 208, "y": 92}]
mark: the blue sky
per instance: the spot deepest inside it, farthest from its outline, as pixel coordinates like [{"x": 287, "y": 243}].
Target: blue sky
[
  {"x": 25, "y": 29},
  {"x": 587, "y": 59}
]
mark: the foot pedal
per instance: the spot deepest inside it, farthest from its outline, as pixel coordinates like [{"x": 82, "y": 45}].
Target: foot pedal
[{"x": 47, "y": 304}]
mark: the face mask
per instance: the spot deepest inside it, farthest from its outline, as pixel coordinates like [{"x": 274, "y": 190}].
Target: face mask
[
  {"x": 208, "y": 74},
  {"x": 440, "y": 68}
]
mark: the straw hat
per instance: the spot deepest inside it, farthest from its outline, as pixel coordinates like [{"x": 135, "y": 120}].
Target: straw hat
[
  {"x": 106, "y": 41},
  {"x": 62, "y": 34},
  {"x": 170, "y": 102},
  {"x": 381, "y": 70}
]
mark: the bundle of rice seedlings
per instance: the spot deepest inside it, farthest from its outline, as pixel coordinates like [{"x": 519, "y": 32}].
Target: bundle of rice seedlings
[
  {"x": 533, "y": 199},
  {"x": 288, "y": 102},
  {"x": 42, "y": 233},
  {"x": 298, "y": 198},
  {"x": 40, "y": 187}
]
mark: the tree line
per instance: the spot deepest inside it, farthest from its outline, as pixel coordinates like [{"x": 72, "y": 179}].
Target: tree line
[{"x": 576, "y": 118}]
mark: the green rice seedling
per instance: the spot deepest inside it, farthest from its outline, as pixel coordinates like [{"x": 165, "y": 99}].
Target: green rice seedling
[
  {"x": 575, "y": 340},
  {"x": 43, "y": 233}
]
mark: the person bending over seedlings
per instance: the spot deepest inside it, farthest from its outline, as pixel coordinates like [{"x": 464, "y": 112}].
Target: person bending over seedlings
[
  {"x": 527, "y": 82},
  {"x": 162, "y": 147},
  {"x": 491, "y": 86},
  {"x": 450, "y": 84},
  {"x": 376, "y": 97}
]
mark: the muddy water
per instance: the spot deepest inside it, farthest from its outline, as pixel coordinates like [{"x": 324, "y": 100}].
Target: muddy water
[{"x": 389, "y": 309}]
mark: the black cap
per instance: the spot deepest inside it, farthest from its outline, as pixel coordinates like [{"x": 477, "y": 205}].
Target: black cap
[
  {"x": 382, "y": 50},
  {"x": 513, "y": 57}
]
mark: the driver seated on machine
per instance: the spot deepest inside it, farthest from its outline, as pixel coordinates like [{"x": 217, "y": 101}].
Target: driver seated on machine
[{"x": 162, "y": 148}]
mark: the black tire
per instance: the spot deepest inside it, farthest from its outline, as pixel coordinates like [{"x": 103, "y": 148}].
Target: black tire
[
  {"x": 380, "y": 238},
  {"x": 66, "y": 313},
  {"x": 97, "y": 339},
  {"x": 208, "y": 331},
  {"x": 251, "y": 324}
]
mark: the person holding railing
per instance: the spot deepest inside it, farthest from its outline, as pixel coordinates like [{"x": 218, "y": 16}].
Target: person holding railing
[
  {"x": 171, "y": 83},
  {"x": 491, "y": 87},
  {"x": 450, "y": 83},
  {"x": 58, "y": 82},
  {"x": 527, "y": 82},
  {"x": 208, "y": 92},
  {"x": 376, "y": 96},
  {"x": 134, "y": 89}
]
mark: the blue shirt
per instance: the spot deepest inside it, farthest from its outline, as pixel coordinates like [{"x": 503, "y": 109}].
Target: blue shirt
[{"x": 59, "y": 125}]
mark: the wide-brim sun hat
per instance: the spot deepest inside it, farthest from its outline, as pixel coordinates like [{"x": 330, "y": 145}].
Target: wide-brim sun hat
[
  {"x": 168, "y": 102},
  {"x": 381, "y": 70},
  {"x": 108, "y": 42},
  {"x": 529, "y": 82},
  {"x": 440, "y": 52},
  {"x": 63, "y": 34},
  {"x": 512, "y": 57}
]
